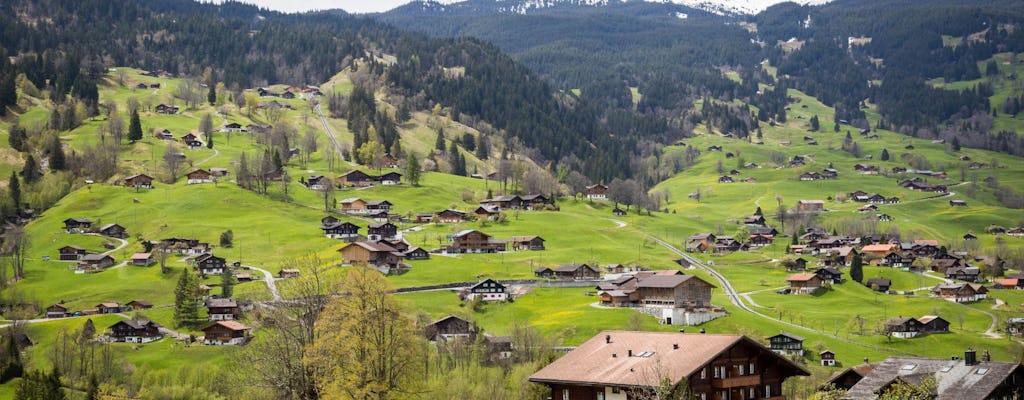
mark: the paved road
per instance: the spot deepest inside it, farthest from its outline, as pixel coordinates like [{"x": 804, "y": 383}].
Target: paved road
[{"x": 330, "y": 133}]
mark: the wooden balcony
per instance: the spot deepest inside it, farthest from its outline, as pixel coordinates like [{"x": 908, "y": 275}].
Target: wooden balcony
[{"x": 736, "y": 381}]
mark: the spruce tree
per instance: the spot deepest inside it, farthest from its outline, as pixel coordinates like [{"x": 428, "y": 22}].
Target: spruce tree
[
  {"x": 211, "y": 96},
  {"x": 31, "y": 172},
  {"x": 14, "y": 189},
  {"x": 439, "y": 143},
  {"x": 885, "y": 155},
  {"x": 135, "y": 127},
  {"x": 857, "y": 268},
  {"x": 227, "y": 284},
  {"x": 57, "y": 160},
  {"x": 186, "y": 308},
  {"x": 17, "y": 137},
  {"x": 413, "y": 170}
]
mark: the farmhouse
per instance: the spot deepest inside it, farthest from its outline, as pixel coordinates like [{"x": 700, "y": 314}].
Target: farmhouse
[
  {"x": 222, "y": 309},
  {"x": 108, "y": 308},
  {"x": 701, "y": 242},
  {"x": 804, "y": 283},
  {"x": 828, "y": 358},
  {"x": 114, "y": 231},
  {"x": 830, "y": 275},
  {"x": 967, "y": 274},
  {"x": 373, "y": 206},
  {"x": 353, "y": 205},
  {"x": 933, "y": 324},
  {"x": 960, "y": 292},
  {"x": 526, "y": 243},
  {"x": 385, "y": 231},
  {"x": 966, "y": 378},
  {"x": 141, "y": 259},
  {"x": 487, "y": 290},
  {"x": 390, "y": 178},
  {"x": 878, "y": 250},
  {"x": 576, "y": 272},
  {"x": 487, "y": 213},
  {"x": 845, "y": 379},
  {"x": 355, "y": 178},
  {"x": 879, "y": 284},
  {"x": 787, "y": 344},
  {"x": 375, "y": 254},
  {"x": 1014, "y": 326},
  {"x": 450, "y": 327},
  {"x": 185, "y": 246},
  {"x": 135, "y": 331},
  {"x": 71, "y": 253},
  {"x": 755, "y": 220},
  {"x": 1008, "y": 283},
  {"x": 95, "y": 261},
  {"x": 166, "y": 109},
  {"x": 57, "y": 311},
  {"x": 199, "y": 176},
  {"x": 138, "y": 305},
  {"x": 77, "y": 225},
  {"x": 140, "y": 181},
  {"x": 226, "y": 333},
  {"x": 474, "y": 241},
  {"x": 903, "y": 327},
  {"x": 209, "y": 264},
  {"x": 810, "y": 206},
  {"x": 451, "y": 216},
  {"x": 232, "y": 127},
  {"x": 612, "y": 364},
  {"x": 596, "y": 192},
  {"x": 503, "y": 202},
  {"x": 677, "y": 299}
]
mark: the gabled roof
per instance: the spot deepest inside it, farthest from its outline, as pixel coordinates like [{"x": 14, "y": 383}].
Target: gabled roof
[
  {"x": 956, "y": 379},
  {"x": 667, "y": 281},
  {"x": 221, "y": 303},
  {"x": 800, "y": 277},
  {"x": 137, "y": 323},
  {"x": 95, "y": 257},
  {"x": 232, "y": 325},
  {"x": 788, "y": 335},
  {"x": 605, "y": 359},
  {"x": 572, "y": 267}
]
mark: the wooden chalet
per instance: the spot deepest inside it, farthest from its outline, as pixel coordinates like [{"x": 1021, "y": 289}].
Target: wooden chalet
[
  {"x": 526, "y": 243},
  {"x": 576, "y": 272},
  {"x": 209, "y": 264},
  {"x": 199, "y": 176},
  {"x": 114, "y": 231},
  {"x": 846, "y": 378},
  {"x": 760, "y": 240},
  {"x": 487, "y": 290},
  {"x": 903, "y": 327},
  {"x": 142, "y": 259},
  {"x": 544, "y": 272},
  {"x": 135, "y": 331},
  {"x": 139, "y": 181},
  {"x": 77, "y": 225},
  {"x": 474, "y": 241},
  {"x": 933, "y": 324},
  {"x": 487, "y": 212},
  {"x": 610, "y": 366},
  {"x": 390, "y": 178},
  {"x": 596, "y": 192},
  {"x": 618, "y": 212},
  {"x": 879, "y": 284},
  {"x": 828, "y": 358},
  {"x": 389, "y": 161},
  {"x": 232, "y": 127},
  {"x": 1015, "y": 326},
  {"x": 449, "y": 328},
  {"x": 534, "y": 201},
  {"x": 57, "y": 311},
  {"x": 960, "y": 292},
  {"x": 340, "y": 230},
  {"x": 1008, "y": 283},
  {"x": 226, "y": 333},
  {"x": 108, "y": 308},
  {"x": 356, "y": 178},
  {"x": 804, "y": 283},
  {"x": 810, "y": 206},
  {"x": 787, "y": 344},
  {"x": 675, "y": 291},
  {"x": 416, "y": 253},
  {"x": 166, "y": 109},
  {"x": 95, "y": 261},
  {"x": 353, "y": 205},
  {"x": 700, "y": 242},
  {"x": 287, "y": 273},
  {"x": 385, "y": 231},
  {"x": 222, "y": 309},
  {"x": 185, "y": 246},
  {"x": 136, "y": 305},
  {"x": 756, "y": 220},
  {"x": 830, "y": 274},
  {"x": 966, "y": 274},
  {"x": 451, "y": 216},
  {"x": 71, "y": 253},
  {"x": 504, "y": 202},
  {"x": 378, "y": 206},
  {"x": 376, "y": 254}
]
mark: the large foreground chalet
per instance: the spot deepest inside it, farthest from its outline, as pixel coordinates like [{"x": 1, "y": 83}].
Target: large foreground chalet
[{"x": 627, "y": 365}]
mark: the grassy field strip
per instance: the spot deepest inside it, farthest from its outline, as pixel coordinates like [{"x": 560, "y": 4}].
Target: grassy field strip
[{"x": 735, "y": 298}]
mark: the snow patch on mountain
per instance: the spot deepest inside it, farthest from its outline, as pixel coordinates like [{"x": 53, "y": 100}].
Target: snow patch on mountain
[{"x": 721, "y": 7}]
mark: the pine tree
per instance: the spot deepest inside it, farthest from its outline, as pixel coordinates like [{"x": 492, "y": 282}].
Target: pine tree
[
  {"x": 209, "y": 141},
  {"x": 439, "y": 143},
  {"x": 227, "y": 284},
  {"x": 885, "y": 155},
  {"x": 17, "y": 137},
  {"x": 14, "y": 189},
  {"x": 186, "y": 308},
  {"x": 857, "y": 268},
  {"x": 135, "y": 127},
  {"x": 31, "y": 172},
  {"x": 57, "y": 160},
  {"x": 211, "y": 96},
  {"x": 413, "y": 170},
  {"x": 482, "y": 152}
]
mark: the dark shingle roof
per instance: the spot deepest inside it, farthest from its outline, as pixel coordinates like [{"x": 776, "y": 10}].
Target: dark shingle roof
[{"x": 956, "y": 380}]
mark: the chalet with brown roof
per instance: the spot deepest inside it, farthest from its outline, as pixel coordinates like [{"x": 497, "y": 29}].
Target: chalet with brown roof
[
  {"x": 166, "y": 109},
  {"x": 787, "y": 344},
  {"x": 760, "y": 240},
  {"x": 685, "y": 292},
  {"x": 966, "y": 274},
  {"x": 340, "y": 230},
  {"x": 376, "y": 254},
  {"x": 185, "y": 246},
  {"x": 108, "y": 308},
  {"x": 970, "y": 236},
  {"x": 1016, "y": 232},
  {"x": 701, "y": 242},
  {"x": 378, "y": 206},
  {"x": 450, "y": 328},
  {"x": 142, "y": 259},
  {"x": 140, "y": 181},
  {"x": 617, "y": 364},
  {"x": 504, "y": 202},
  {"x": 209, "y": 264},
  {"x": 353, "y": 205},
  {"x": 487, "y": 212},
  {"x": 845, "y": 379},
  {"x": 452, "y": 216},
  {"x": 226, "y": 333},
  {"x": 828, "y": 358},
  {"x": 755, "y": 220},
  {"x": 544, "y": 272},
  {"x": 810, "y": 206},
  {"x": 385, "y": 231},
  {"x": 222, "y": 309},
  {"x": 71, "y": 253},
  {"x": 879, "y": 284},
  {"x": 878, "y": 250},
  {"x": 1015, "y": 326},
  {"x": 135, "y": 331},
  {"x": 933, "y": 324},
  {"x": 966, "y": 378},
  {"x": 77, "y": 225},
  {"x": 138, "y": 305},
  {"x": 57, "y": 311},
  {"x": 804, "y": 283},
  {"x": 526, "y": 243},
  {"x": 355, "y": 178},
  {"x": 199, "y": 176},
  {"x": 596, "y": 192},
  {"x": 95, "y": 261},
  {"x": 618, "y": 212},
  {"x": 474, "y": 241},
  {"x": 903, "y": 327},
  {"x": 114, "y": 231},
  {"x": 1008, "y": 283},
  {"x": 288, "y": 273},
  {"x": 830, "y": 274},
  {"x": 576, "y": 272},
  {"x": 960, "y": 292}
]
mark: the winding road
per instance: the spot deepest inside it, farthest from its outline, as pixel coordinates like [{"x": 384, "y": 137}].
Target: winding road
[{"x": 269, "y": 279}]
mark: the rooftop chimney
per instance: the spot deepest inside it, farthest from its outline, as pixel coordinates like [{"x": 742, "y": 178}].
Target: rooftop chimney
[
  {"x": 607, "y": 338},
  {"x": 701, "y": 330},
  {"x": 970, "y": 357},
  {"x": 629, "y": 353},
  {"x": 985, "y": 357}
]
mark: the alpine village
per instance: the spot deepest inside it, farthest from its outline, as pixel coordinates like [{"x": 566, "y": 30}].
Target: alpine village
[{"x": 511, "y": 199}]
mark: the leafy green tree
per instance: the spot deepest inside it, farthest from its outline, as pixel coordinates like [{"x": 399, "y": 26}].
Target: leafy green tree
[
  {"x": 227, "y": 283},
  {"x": 31, "y": 171},
  {"x": 134, "y": 127},
  {"x": 413, "y": 170},
  {"x": 857, "y": 268}
]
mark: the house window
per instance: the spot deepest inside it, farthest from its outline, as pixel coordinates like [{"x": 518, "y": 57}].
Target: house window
[
  {"x": 615, "y": 389},
  {"x": 751, "y": 369},
  {"x": 600, "y": 395},
  {"x": 703, "y": 373},
  {"x": 767, "y": 390},
  {"x": 703, "y": 396},
  {"x": 742, "y": 370},
  {"x": 715, "y": 372},
  {"x": 751, "y": 393},
  {"x": 565, "y": 394}
]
